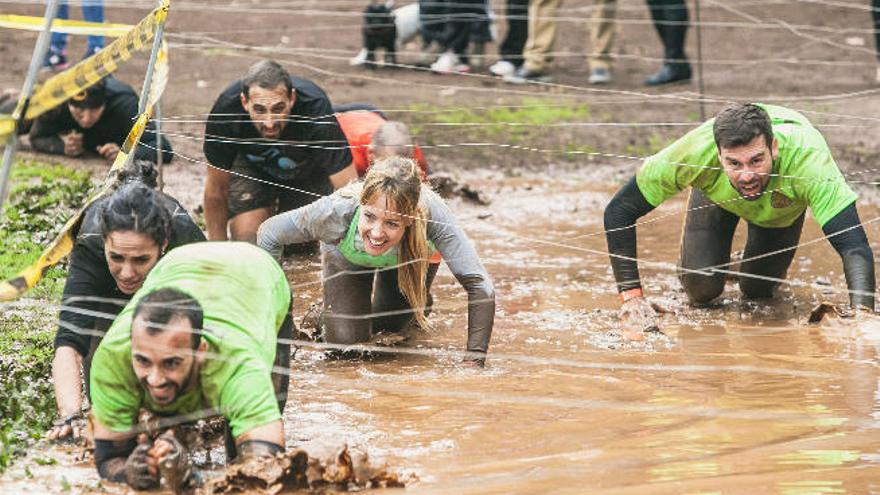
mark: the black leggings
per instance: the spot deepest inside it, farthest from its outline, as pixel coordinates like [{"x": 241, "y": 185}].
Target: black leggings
[
  {"x": 706, "y": 242},
  {"x": 351, "y": 298}
]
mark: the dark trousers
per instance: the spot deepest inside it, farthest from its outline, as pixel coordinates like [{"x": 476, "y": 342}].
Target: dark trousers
[
  {"x": 706, "y": 242},
  {"x": 511, "y": 49},
  {"x": 452, "y": 24},
  {"x": 670, "y": 21},
  {"x": 351, "y": 298}
]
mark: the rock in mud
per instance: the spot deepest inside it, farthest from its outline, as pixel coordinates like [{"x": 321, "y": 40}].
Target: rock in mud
[{"x": 346, "y": 470}]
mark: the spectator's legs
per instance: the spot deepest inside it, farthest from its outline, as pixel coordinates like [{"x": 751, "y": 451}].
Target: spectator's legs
[
  {"x": 602, "y": 28},
  {"x": 511, "y": 48},
  {"x": 542, "y": 34},
  {"x": 706, "y": 241},
  {"x": 93, "y": 11},
  {"x": 763, "y": 240},
  {"x": 58, "y": 42}
]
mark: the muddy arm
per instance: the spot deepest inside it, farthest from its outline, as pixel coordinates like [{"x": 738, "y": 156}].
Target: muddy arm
[
  {"x": 112, "y": 450},
  {"x": 461, "y": 257},
  {"x": 621, "y": 214},
  {"x": 325, "y": 220},
  {"x": 44, "y": 134},
  {"x": 858, "y": 258}
]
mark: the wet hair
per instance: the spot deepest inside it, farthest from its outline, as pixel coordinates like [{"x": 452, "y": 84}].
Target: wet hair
[
  {"x": 266, "y": 74},
  {"x": 92, "y": 97},
  {"x": 399, "y": 179},
  {"x": 143, "y": 171},
  {"x": 740, "y": 123},
  {"x": 161, "y": 306},
  {"x": 134, "y": 207},
  {"x": 392, "y": 139}
]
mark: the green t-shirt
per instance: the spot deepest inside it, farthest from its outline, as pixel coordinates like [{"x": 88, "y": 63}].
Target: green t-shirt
[
  {"x": 807, "y": 174},
  {"x": 245, "y": 298}
]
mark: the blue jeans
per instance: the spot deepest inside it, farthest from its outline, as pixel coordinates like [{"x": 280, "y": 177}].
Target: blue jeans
[{"x": 93, "y": 11}]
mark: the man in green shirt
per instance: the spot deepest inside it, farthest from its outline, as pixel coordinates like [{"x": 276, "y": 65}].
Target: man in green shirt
[
  {"x": 762, "y": 163},
  {"x": 200, "y": 338}
]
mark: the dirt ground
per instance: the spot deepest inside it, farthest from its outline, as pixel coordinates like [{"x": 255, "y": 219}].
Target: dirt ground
[{"x": 521, "y": 427}]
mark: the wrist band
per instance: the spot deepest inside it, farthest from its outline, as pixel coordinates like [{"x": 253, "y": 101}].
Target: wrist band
[{"x": 630, "y": 294}]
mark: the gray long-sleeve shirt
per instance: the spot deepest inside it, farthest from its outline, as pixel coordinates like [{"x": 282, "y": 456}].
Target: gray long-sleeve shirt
[{"x": 329, "y": 218}]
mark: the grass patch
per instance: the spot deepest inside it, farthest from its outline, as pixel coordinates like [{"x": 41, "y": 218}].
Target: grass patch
[{"x": 42, "y": 197}]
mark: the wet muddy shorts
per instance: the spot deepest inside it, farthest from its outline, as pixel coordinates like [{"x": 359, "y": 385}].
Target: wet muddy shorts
[{"x": 246, "y": 193}]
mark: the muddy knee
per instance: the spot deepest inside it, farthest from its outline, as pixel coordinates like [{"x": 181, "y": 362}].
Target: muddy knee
[
  {"x": 756, "y": 289},
  {"x": 701, "y": 288},
  {"x": 346, "y": 331}
]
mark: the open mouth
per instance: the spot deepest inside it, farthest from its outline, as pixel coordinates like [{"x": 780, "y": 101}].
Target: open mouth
[{"x": 373, "y": 244}]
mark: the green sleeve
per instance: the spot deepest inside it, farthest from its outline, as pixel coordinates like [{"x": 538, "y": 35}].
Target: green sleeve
[
  {"x": 114, "y": 391},
  {"x": 248, "y": 398},
  {"x": 691, "y": 160},
  {"x": 821, "y": 184}
]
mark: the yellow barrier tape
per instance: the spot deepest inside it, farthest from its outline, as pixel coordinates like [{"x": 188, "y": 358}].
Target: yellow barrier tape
[
  {"x": 82, "y": 75},
  {"x": 30, "y": 23},
  {"x": 63, "y": 243},
  {"x": 7, "y": 127}
]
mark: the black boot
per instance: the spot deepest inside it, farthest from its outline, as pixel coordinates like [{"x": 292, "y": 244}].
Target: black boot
[{"x": 678, "y": 72}]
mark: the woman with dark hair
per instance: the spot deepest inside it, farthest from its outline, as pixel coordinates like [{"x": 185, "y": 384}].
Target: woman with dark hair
[
  {"x": 377, "y": 238},
  {"x": 121, "y": 238}
]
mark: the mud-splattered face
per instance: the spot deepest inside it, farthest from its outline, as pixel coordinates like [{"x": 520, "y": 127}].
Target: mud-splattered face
[
  {"x": 749, "y": 166},
  {"x": 269, "y": 109},
  {"x": 165, "y": 362},
  {"x": 130, "y": 257},
  {"x": 379, "y": 226},
  {"x": 86, "y": 117}
]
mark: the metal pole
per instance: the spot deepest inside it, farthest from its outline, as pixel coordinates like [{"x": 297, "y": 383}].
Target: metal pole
[
  {"x": 26, "y": 91},
  {"x": 700, "y": 61},
  {"x": 159, "y": 151},
  {"x": 148, "y": 80}
]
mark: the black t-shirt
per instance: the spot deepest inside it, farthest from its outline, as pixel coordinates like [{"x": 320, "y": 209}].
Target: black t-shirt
[
  {"x": 120, "y": 112},
  {"x": 89, "y": 276},
  {"x": 311, "y": 148}
]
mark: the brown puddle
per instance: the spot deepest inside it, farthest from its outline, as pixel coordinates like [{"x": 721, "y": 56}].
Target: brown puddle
[{"x": 742, "y": 397}]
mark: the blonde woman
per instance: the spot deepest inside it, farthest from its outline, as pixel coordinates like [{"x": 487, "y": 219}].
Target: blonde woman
[{"x": 390, "y": 223}]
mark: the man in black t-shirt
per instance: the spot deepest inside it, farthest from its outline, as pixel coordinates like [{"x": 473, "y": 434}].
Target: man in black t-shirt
[
  {"x": 273, "y": 145},
  {"x": 96, "y": 120}
]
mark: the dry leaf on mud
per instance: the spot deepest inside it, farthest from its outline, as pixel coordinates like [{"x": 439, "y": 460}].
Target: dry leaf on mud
[{"x": 828, "y": 310}]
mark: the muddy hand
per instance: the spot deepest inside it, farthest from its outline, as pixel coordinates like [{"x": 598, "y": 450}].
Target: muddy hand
[
  {"x": 137, "y": 469},
  {"x": 108, "y": 151},
  {"x": 637, "y": 317},
  {"x": 73, "y": 143},
  {"x": 171, "y": 461},
  {"x": 70, "y": 427}
]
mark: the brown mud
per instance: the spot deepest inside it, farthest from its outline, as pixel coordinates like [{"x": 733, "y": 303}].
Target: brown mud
[{"x": 743, "y": 396}]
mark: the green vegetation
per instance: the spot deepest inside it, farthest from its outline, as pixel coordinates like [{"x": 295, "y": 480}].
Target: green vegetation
[{"x": 42, "y": 197}]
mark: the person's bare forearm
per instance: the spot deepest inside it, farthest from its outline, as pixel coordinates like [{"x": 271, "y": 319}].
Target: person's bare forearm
[
  {"x": 216, "y": 218},
  {"x": 66, "y": 369}
]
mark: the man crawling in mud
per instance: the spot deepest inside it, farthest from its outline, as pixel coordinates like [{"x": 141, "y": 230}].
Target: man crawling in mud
[
  {"x": 762, "y": 163},
  {"x": 201, "y": 338}
]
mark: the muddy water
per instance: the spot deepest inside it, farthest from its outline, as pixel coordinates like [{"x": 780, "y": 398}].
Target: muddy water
[{"x": 741, "y": 398}]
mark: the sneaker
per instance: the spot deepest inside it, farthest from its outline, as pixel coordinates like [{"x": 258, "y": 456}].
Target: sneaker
[
  {"x": 524, "y": 76},
  {"x": 91, "y": 51},
  {"x": 502, "y": 68},
  {"x": 670, "y": 73},
  {"x": 600, "y": 75},
  {"x": 449, "y": 63},
  {"x": 55, "y": 61}
]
